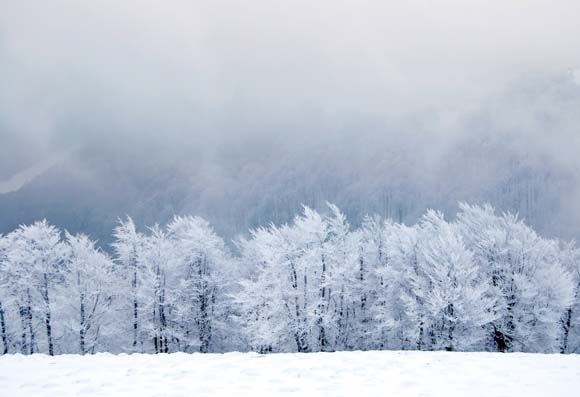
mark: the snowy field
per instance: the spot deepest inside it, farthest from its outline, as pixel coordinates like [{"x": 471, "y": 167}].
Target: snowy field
[{"x": 331, "y": 374}]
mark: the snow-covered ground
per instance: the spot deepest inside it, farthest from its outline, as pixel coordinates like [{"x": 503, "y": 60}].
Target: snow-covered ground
[{"x": 327, "y": 374}]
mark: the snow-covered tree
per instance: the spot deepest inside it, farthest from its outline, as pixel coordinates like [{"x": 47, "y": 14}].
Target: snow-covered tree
[
  {"x": 370, "y": 282},
  {"x": 4, "y": 280},
  {"x": 344, "y": 283},
  {"x": 36, "y": 263},
  {"x": 310, "y": 232},
  {"x": 127, "y": 246},
  {"x": 203, "y": 305},
  {"x": 87, "y": 292},
  {"x": 300, "y": 296},
  {"x": 155, "y": 261},
  {"x": 271, "y": 322},
  {"x": 399, "y": 319},
  {"x": 286, "y": 300},
  {"x": 570, "y": 340},
  {"x": 458, "y": 299},
  {"x": 531, "y": 287}
]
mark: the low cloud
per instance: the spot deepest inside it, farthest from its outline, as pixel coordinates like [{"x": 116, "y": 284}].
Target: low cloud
[{"x": 420, "y": 87}]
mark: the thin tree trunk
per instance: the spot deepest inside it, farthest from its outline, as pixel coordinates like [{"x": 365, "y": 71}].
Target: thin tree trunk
[
  {"x": 421, "y": 334},
  {"x": 205, "y": 300},
  {"x": 451, "y": 311},
  {"x": 3, "y": 330},
  {"x": 363, "y": 299},
  {"x": 567, "y": 323},
  {"x": 135, "y": 309},
  {"x": 160, "y": 312},
  {"x": 299, "y": 333},
  {"x": 82, "y": 324},
  {"x": 48, "y": 317},
  {"x": 163, "y": 348},
  {"x": 203, "y": 332},
  {"x": 321, "y": 308},
  {"x": 23, "y": 318},
  {"x": 155, "y": 328},
  {"x": 29, "y": 320}
]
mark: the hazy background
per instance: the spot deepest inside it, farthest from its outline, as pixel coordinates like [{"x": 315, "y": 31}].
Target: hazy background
[{"x": 240, "y": 111}]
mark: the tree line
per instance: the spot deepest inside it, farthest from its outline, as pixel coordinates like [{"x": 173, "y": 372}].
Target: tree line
[{"x": 482, "y": 282}]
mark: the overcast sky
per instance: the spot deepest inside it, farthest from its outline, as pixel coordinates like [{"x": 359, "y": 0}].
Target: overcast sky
[{"x": 171, "y": 77}]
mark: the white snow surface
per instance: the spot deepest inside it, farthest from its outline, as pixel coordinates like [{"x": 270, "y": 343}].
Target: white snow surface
[{"x": 321, "y": 374}]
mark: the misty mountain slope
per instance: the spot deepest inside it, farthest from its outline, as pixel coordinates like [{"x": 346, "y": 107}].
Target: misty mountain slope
[
  {"x": 89, "y": 198},
  {"x": 237, "y": 190}
]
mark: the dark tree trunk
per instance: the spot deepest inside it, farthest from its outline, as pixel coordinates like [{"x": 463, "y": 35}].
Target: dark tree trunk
[
  {"x": 420, "y": 337},
  {"x": 48, "y": 317},
  {"x": 155, "y": 327},
  {"x": 567, "y": 322},
  {"x": 205, "y": 299},
  {"x": 82, "y": 325},
  {"x": 23, "y": 322},
  {"x": 451, "y": 312},
  {"x": 299, "y": 334},
  {"x": 502, "y": 340},
  {"x": 321, "y": 308},
  {"x": 29, "y": 322},
  {"x": 363, "y": 299},
  {"x": 204, "y": 331},
  {"x": 3, "y": 330},
  {"x": 135, "y": 309},
  {"x": 163, "y": 348}
]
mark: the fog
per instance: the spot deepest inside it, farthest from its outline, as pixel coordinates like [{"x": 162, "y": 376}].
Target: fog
[{"x": 240, "y": 111}]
